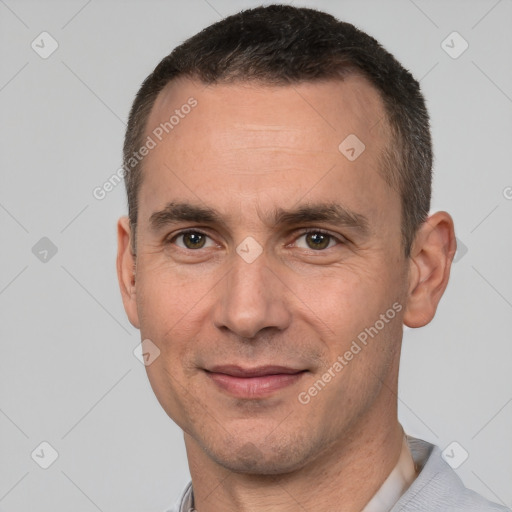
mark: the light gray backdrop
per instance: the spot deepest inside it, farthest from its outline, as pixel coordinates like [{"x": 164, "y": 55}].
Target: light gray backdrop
[{"x": 69, "y": 377}]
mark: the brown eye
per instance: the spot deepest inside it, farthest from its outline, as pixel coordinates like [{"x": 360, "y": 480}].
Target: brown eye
[
  {"x": 191, "y": 240},
  {"x": 194, "y": 240},
  {"x": 317, "y": 241}
]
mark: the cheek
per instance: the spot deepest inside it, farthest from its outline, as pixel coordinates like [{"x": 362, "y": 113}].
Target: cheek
[
  {"x": 167, "y": 299},
  {"x": 169, "y": 312},
  {"x": 344, "y": 300},
  {"x": 351, "y": 307}
]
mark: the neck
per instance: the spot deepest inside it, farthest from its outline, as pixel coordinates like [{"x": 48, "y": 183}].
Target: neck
[{"x": 348, "y": 473}]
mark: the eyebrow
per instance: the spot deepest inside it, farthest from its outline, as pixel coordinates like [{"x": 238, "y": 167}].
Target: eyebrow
[
  {"x": 183, "y": 212},
  {"x": 333, "y": 213}
]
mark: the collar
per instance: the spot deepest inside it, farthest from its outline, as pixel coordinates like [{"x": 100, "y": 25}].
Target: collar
[{"x": 398, "y": 481}]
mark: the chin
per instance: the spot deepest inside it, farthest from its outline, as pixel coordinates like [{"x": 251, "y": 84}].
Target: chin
[{"x": 261, "y": 457}]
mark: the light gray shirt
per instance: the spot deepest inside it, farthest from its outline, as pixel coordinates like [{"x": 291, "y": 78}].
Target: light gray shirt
[{"x": 437, "y": 488}]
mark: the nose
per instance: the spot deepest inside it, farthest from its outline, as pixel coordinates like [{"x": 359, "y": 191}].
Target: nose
[{"x": 251, "y": 297}]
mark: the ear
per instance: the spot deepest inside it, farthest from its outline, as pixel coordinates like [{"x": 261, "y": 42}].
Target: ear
[
  {"x": 126, "y": 265},
  {"x": 429, "y": 268}
]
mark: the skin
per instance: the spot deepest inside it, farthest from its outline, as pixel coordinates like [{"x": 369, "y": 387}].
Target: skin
[{"x": 244, "y": 150}]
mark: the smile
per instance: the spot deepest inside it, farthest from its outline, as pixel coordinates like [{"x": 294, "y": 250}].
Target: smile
[{"x": 253, "y": 382}]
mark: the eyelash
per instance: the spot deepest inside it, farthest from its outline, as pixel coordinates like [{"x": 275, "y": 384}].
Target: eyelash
[{"x": 338, "y": 238}]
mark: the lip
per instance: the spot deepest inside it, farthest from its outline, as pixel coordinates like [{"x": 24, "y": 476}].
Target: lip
[{"x": 256, "y": 382}]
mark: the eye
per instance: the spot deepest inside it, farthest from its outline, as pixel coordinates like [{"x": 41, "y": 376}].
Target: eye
[
  {"x": 191, "y": 240},
  {"x": 317, "y": 240}
]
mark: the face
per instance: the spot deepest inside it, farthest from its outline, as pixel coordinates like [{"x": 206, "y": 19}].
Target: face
[{"x": 269, "y": 269}]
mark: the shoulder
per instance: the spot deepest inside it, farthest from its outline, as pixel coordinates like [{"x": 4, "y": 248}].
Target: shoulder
[{"x": 438, "y": 487}]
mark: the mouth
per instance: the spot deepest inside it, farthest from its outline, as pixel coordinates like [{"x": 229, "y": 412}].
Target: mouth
[{"x": 256, "y": 382}]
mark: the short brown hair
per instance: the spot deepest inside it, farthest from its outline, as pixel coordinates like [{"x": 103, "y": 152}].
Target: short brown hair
[{"x": 280, "y": 45}]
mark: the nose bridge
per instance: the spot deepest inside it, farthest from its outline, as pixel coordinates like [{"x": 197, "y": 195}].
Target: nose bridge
[{"x": 251, "y": 297}]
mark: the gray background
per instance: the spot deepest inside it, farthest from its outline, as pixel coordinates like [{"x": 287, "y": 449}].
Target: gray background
[{"x": 68, "y": 373}]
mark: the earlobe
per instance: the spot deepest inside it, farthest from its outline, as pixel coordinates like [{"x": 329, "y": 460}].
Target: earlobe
[
  {"x": 126, "y": 270},
  {"x": 430, "y": 262}
]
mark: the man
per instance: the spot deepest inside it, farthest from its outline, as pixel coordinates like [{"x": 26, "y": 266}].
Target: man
[{"x": 278, "y": 171}]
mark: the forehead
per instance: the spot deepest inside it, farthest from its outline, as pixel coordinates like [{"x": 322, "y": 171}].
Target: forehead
[
  {"x": 269, "y": 143},
  {"x": 325, "y": 108}
]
